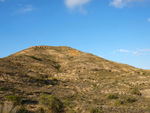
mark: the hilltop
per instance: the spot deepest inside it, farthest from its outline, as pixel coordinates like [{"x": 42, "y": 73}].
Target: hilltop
[{"x": 83, "y": 82}]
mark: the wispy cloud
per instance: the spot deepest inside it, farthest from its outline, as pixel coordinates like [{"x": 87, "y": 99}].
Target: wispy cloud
[
  {"x": 123, "y": 3},
  {"x": 75, "y": 3},
  {"x": 27, "y": 8},
  {"x": 144, "y": 50},
  {"x": 123, "y": 50},
  {"x": 133, "y": 52},
  {"x": 118, "y": 3},
  {"x": 2, "y": 0},
  {"x": 148, "y": 19}
]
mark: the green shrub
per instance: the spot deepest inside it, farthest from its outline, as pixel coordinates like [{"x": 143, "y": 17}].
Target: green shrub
[
  {"x": 95, "y": 110},
  {"x": 41, "y": 81},
  {"x": 112, "y": 96},
  {"x": 96, "y": 69},
  {"x": 135, "y": 91},
  {"x": 4, "y": 89},
  {"x": 119, "y": 102},
  {"x": 41, "y": 110},
  {"x": 148, "y": 108},
  {"x": 35, "y": 58},
  {"x": 55, "y": 79},
  {"x": 14, "y": 99},
  {"x": 22, "y": 109},
  {"x": 131, "y": 100},
  {"x": 53, "y": 104},
  {"x": 57, "y": 67},
  {"x": 37, "y": 80}
]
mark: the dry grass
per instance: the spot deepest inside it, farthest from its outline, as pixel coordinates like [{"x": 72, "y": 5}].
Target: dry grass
[{"x": 8, "y": 107}]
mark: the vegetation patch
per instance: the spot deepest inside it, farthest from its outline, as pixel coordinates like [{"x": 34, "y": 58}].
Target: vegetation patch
[
  {"x": 119, "y": 102},
  {"x": 35, "y": 58},
  {"x": 51, "y": 103},
  {"x": 113, "y": 96},
  {"x": 4, "y": 88},
  {"x": 95, "y": 110},
  {"x": 135, "y": 91},
  {"x": 14, "y": 98},
  {"x": 131, "y": 100},
  {"x": 22, "y": 109}
]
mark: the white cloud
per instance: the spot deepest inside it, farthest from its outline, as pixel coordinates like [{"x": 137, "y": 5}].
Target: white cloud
[
  {"x": 149, "y": 20},
  {"x": 134, "y": 52},
  {"x": 75, "y": 3},
  {"x": 118, "y": 3},
  {"x": 144, "y": 50},
  {"x": 123, "y": 50},
  {"x": 123, "y": 3},
  {"x": 2, "y": 0},
  {"x": 27, "y": 8}
]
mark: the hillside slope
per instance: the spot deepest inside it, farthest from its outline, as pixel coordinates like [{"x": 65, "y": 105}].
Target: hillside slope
[{"x": 82, "y": 81}]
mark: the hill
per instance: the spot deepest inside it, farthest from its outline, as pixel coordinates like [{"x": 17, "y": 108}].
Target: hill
[{"x": 82, "y": 82}]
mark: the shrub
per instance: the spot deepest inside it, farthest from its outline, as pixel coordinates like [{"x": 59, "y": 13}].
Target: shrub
[
  {"x": 22, "y": 110},
  {"x": 14, "y": 99},
  {"x": 53, "y": 104},
  {"x": 135, "y": 91},
  {"x": 96, "y": 69},
  {"x": 119, "y": 102},
  {"x": 95, "y": 110},
  {"x": 112, "y": 96},
  {"x": 35, "y": 58},
  {"x": 57, "y": 67},
  {"x": 41, "y": 110},
  {"x": 54, "y": 79},
  {"x": 4, "y": 88},
  {"x": 148, "y": 108},
  {"x": 130, "y": 100},
  {"x": 41, "y": 81}
]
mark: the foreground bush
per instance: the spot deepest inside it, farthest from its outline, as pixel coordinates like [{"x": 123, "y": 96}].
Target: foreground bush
[
  {"x": 50, "y": 103},
  {"x": 22, "y": 109},
  {"x": 15, "y": 99}
]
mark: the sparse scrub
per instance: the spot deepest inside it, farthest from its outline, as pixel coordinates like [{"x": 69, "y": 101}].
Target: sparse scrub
[
  {"x": 113, "y": 96},
  {"x": 41, "y": 81},
  {"x": 37, "y": 80},
  {"x": 135, "y": 91},
  {"x": 119, "y": 102},
  {"x": 54, "y": 79},
  {"x": 95, "y": 110},
  {"x": 131, "y": 100},
  {"x": 22, "y": 109},
  {"x": 35, "y": 58},
  {"x": 41, "y": 110},
  {"x": 4, "y": 88},
  {"x": 53, "y": 104},
  {"x": 148, "y": 107},
  {"x": 14, "y": 99},
  {"x": 57, "y": 67},
  {"x": 82, "y": 82}
]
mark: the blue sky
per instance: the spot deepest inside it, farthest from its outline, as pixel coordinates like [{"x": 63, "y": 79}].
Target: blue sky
[{"x": 117, "y": 30}]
